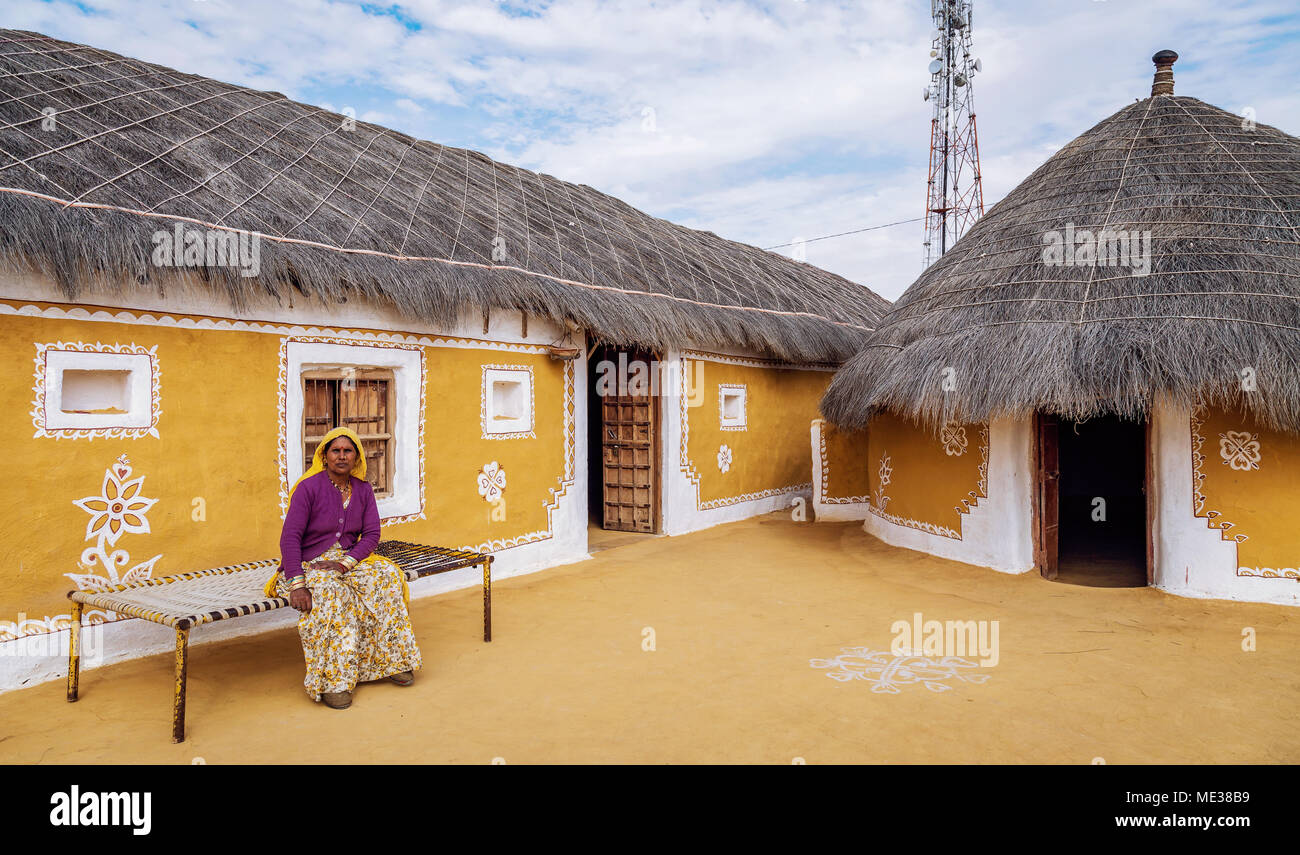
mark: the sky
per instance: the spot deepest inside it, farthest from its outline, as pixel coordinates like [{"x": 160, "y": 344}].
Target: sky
[{"x": 763, "y": 122}]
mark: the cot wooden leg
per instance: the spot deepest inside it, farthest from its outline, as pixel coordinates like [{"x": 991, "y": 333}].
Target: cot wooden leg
[
  {"x": 178, "y": 702},
  {"x": 487, "y": 598},
  {"x": 74, "y": 650}
]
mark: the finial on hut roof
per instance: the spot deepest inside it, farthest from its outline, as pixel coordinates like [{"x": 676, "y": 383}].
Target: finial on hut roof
[{"x": 1164, "y": 82}]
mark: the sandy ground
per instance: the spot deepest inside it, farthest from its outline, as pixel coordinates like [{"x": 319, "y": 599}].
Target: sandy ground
[{"x": 738, "y": 613}]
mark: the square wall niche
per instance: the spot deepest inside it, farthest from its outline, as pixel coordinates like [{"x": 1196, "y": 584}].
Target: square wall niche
[
  {"x": 732, "y": 407},
  {"x": 97, "y": 391},
  {"x": 506, "y": 402}
]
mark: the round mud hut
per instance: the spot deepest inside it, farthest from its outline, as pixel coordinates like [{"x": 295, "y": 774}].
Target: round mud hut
[{"x": 1099, "y": 380}]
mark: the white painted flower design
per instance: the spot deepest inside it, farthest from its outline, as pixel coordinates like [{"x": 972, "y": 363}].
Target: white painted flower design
[
  {"x": 119, "y": 508},
  {"x": 1239, "y": 450},
  {"x": 724, "y": 459},
  {"x": 953, "y": 438},
  {"x": 491, "y": 482},
  {"x": 884, "y": 475}
]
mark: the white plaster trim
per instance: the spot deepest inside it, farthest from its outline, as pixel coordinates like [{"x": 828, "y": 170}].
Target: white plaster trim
[
  {"x": 299, "y": 354},
  {"x": 190, "y": 295},
  {"x": 145, "y": 405},
  {"x": 828, "y": 508},
  {"x": 998, "y": 531},
  {"x": 1193, "y": 557},
  {"x": 738, "y": 358},
  {"x": 520, "y": 428},
  {"x": 734, "y": 389}
]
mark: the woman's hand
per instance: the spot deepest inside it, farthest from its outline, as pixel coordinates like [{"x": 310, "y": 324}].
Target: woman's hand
[
  {"x": 336, "y": 566},
  {"x": 300, "y": 599}
]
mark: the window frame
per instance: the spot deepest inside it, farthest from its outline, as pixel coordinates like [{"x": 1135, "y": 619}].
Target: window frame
[
  {"x": 518, "y": 428},
  {"x": 141, "y": 416},
  {"x": 740, "y": 391},
  {"x": 407, "y": 362}
]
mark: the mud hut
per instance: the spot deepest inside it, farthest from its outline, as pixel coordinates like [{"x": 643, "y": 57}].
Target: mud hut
[
  {"x": 1099, "y": 380},
  {"x": 191, "y": 265}
]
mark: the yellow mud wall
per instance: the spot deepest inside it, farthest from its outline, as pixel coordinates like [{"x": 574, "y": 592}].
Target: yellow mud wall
[
  {"x": 922, "y": 480},
  {"x": 771, "y": 454},
  {"x": 213, "y": 468},
  {"x": 846, "y": 464},
  {"x": 1244, "y": 483}
]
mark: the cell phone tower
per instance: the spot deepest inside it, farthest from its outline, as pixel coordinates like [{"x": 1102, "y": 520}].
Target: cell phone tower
[{"x": 954, "y": 192}]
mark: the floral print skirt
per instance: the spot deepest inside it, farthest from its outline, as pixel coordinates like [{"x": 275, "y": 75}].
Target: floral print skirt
[{"x": 358, "y": 628}]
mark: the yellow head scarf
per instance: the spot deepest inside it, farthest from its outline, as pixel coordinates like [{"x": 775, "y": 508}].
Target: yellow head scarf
[
  {"x": 318, "y": 466},
  {"x": 318, "y": 459}
]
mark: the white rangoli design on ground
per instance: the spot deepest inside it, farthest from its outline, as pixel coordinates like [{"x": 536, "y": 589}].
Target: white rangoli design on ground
[{"x": 888, "y": 673}]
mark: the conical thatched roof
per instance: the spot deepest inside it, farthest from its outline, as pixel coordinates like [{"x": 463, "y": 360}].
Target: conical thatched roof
[
  {"x": 1219, "y": 309},
  {"x": 98, "y": 152}
]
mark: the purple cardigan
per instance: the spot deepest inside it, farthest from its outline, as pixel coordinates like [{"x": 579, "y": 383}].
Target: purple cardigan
[{"x": 317, "y": 518}]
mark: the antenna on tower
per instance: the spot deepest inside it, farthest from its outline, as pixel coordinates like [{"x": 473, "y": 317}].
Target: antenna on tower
[{"x": 954, "y": 193}]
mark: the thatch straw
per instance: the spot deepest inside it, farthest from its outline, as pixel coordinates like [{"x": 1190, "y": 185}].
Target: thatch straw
[
  {"x": 1220, "y": 308},
  {"x": 135, "y": 148}
]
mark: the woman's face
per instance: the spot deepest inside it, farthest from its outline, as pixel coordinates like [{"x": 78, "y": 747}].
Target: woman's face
[{"x": 341, "y": 456}]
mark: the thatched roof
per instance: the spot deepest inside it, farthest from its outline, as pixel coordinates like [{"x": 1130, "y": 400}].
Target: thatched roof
[
  {"x": 1221, "y": 200},
  {"x": 350, "y": 208}
]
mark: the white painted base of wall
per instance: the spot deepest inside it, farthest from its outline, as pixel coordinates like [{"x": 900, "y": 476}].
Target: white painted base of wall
[
  {"x": 1192, "y": 559},
  {"x": 998, "y": 532}
]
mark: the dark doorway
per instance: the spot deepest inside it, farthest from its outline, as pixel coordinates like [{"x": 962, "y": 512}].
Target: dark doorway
[
  {"x": 1092, "y": 506},
  {"x": 622, "y": 440}
]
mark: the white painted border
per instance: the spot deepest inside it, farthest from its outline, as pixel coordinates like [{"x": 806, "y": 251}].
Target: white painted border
[
  {"x": 825, "y": 508},
  {"x": 141, "y": 419},
  {"x": 407, "y": 365},
  {"x": 520, "y": 428},
  {"x": 1191, "y": 559},
  {"x": 734, "y": 389},
  {"x": 998, "y": 532},
  {"x": 139, "y": 368}
]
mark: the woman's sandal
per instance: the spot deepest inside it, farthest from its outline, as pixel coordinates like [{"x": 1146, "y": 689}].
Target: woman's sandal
[
  {"x": 405, "y": 678},
  {"x": 337, "y": 700}
]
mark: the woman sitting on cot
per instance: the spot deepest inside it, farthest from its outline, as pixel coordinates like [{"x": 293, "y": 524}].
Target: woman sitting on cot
[{"x": 353, "y": 624}]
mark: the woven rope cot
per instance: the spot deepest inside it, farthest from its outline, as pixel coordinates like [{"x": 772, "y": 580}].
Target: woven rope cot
[
  {"x": 1219, "y": 196},
  {"x": 99, "y": 151},
  {"x": 183, "y": 601}
]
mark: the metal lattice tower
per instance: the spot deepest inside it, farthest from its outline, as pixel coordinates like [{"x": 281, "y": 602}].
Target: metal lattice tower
[{"x": 954, "y": 193}]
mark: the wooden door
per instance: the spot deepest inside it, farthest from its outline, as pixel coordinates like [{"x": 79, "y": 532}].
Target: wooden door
[
  {"x": 629, "y": 455},
  {"x": 1047, "y": 544}
]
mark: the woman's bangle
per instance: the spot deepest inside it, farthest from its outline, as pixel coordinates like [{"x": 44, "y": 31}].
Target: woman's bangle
[
  {"x": 297, "y": 582},
  {"x": 349, "y": 562}
]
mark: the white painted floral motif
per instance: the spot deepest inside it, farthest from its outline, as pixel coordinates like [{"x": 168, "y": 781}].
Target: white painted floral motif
[
  {"x": 120, "y": 508},
  {"x": 491, "y": 482},
  {"x": 724, "y": 459},
  {"x": 889, "y": 673},
  {"x": 953, "y": 438},
  {"x": 885, "y": 473},
  {"x": 1239, "y": 450}
]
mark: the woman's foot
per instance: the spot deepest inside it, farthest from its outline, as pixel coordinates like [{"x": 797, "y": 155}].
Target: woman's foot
[
  {"x": 337, "y": 700},
  {"x": 405, "y": 678}
]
